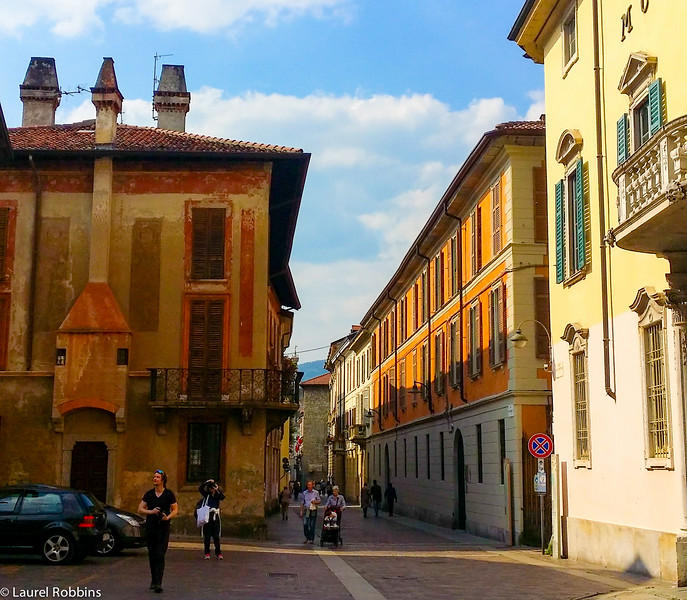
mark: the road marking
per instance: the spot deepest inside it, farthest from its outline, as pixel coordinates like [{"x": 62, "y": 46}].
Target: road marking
[{"x": 354, "y": 582}]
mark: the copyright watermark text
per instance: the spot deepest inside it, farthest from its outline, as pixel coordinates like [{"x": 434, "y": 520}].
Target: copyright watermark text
[{"x": 49, "y": 592}]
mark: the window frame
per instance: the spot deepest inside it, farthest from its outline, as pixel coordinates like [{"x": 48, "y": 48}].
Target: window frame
[
  {"x": 186, "y": 445},
  {"x": 571, "y": 210},
  {"x": 475, "y": 339},
  {"x": 497, "y": 326},
  {"x": 577, "y": 338},
  {"x": 569, "y": 58}
]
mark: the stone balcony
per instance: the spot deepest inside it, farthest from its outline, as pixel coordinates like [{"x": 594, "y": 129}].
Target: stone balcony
[
  {"x": 652, "y": 187},
  {"x": 357, "y": 434}
]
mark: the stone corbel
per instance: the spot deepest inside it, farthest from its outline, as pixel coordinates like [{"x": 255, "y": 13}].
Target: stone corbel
[
  {"x": 677, "y": 302},
  {"x": 120, "y": 421},
  {"x": 247, "y": 421}
]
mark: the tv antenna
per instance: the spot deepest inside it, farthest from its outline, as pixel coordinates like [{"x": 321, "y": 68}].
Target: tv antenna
[{"x": 156, "y": 80}]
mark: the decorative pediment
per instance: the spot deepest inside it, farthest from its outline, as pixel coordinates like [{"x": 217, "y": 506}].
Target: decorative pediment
[
  {"x": 648, "y": 304},
  {"x": 639, "y": 72},
  {"x": 574, "y": 331},
  {"x": 569, "y": 146}
]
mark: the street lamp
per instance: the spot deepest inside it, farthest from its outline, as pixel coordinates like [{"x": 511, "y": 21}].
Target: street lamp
[
  {"x": 426, "y": 390},
  {"x": 369, "y": 414},
  {"x": 520, "y": 340}
]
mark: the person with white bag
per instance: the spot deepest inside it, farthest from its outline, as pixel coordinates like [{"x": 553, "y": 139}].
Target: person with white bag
[{"x": 209, "y": 518}]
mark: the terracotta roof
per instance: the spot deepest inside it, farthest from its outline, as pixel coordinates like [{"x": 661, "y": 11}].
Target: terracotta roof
[
  {"x": 518, "y": 126},
  {"x": 319, "y": 380},
  {"x": 81, "y": 137}
]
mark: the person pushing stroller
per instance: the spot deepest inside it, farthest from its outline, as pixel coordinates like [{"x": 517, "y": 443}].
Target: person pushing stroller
[{"x": 331, "y": 523}]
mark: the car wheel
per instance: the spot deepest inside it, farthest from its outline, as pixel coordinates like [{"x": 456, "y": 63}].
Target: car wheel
[
  {"x": 57, "y": 548},
  {"x": 110, "y": 547}
]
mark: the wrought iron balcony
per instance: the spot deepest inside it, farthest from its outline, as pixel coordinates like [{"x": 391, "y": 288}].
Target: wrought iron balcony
[
  {"x": 652, "y": 186},
  {"x": 231, "y": 387}
]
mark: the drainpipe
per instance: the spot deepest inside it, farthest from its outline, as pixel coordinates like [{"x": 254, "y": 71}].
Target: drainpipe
[
  {"x": 38, "y": 192},
  {"x": 429, "y": 328},
  {"x": 388, "y": 295},
  {"x": 459, "y": 259},
  {"x": 379, "y": 379},
  {"x": 602, "y": 209}
]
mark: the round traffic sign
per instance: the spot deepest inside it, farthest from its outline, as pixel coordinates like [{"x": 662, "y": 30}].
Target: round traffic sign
[{"x": 540, "y": 445}]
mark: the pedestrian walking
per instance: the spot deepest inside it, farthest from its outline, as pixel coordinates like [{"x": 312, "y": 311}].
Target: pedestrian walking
[
  {"x": 284, "y": 499},
  {"x": 376, "y": 491},
  {"x": 212, "y": 495},
  {"x": 311, "y": 500},
  {"x": 159, "y": 505},
  {"x": 365, "y": 499},
  {"x": 296, "y": 490},
  {"x": 336, "y": 502},
  {"x": 391, "y": 497}
]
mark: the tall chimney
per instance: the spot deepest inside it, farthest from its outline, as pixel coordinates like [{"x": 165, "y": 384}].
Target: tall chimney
[
  {"x": 171, "y": 100},
  {"x": 107, "y": 99},
  {"x": 40, "y": 93}
]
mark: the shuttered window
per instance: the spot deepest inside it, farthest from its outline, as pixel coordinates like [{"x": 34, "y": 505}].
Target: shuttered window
[
  {"x": 439, "y": 367},
  {"x": 579, "y": 217},
  {"x": 475, "y": 339},
  {"x": 205, "y": 348},
  {"x": 497, "y": 337},
  {"x": 541, "y": 227},
  {"x": 208, "y": 243},
  {"x": 454, "y": 350},
  {"x": 402, "y": 384},
  {"x": 571, "y": 251},
  {"x": 623, "y": 139},
  {"x": 496, "y": 219},
  {"x": 655, "y": 107},
  {"x": 560, "y": 233},
  {"x": 454, "y": 265},
  {"x": 478, "y": 225}
]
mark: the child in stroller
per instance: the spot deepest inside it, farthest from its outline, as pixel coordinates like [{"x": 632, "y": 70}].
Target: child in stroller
[{"x": 331, "y": 528}]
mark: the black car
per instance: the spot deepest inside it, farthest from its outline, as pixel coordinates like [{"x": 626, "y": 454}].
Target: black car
[
  {"x": 125, "y": 529},
  {"x": 60, "y": 524}
]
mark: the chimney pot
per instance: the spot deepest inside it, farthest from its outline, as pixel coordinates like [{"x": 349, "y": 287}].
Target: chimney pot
[
  {"x": 107, "y": 99},
  {"x": 40, "y": 93},
  {"x": 171, "y": 99}
]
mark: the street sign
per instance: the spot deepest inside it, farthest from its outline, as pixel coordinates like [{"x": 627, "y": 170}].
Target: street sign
[
  {"x": 540, "y": 483},
  {"x": 540, "y": 465},
  {"x": 540, "y": 445}
]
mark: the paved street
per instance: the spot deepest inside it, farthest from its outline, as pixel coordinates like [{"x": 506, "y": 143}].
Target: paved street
[{"x": 384, "y": 557}]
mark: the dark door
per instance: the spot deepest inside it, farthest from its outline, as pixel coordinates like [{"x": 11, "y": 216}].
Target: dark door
[
  {"x": 387, "y": 468},
  {"x": 459, "y": 512},
  {"x": 205, "y": 350},
  {"x": 89, "y": 468}
]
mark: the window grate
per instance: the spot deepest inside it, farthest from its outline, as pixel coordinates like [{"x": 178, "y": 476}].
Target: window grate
[
  {"x": 659, "y": 446},
  {"x": 581, "y": 408}
]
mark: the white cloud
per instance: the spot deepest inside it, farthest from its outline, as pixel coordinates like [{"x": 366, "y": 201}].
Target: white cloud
[
  {"x": 70, "y": 18},
  {"x": 538, "y": 106}
]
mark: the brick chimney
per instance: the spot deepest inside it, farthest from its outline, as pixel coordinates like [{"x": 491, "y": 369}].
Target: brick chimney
[
  {"x": 107, "y": 99},
  {"x": 40, "y": 93},
  {"x": 171, "y": 100}
]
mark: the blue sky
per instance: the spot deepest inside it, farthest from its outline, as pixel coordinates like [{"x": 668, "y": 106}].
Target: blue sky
[{"x": 389, "y": 97}]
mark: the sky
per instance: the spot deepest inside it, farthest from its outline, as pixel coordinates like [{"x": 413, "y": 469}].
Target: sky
[{"x": 388, "y": 97}]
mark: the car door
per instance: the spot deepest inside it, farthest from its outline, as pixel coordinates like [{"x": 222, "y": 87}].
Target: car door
[
  {"x": 9, "y": 504},
  {"x": 38, "y": 509}
]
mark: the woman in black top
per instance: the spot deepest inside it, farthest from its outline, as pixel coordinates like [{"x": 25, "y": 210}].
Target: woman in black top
[
  {"x": 158, "y": 505},
  {"x": 213, "y": 528}
]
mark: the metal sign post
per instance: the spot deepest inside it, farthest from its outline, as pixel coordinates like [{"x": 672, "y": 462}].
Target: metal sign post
[{"x": 540, "y": 446}]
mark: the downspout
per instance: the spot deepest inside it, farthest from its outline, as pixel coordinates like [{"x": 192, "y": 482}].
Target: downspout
[
  {"x": 379, "y": 378},
  {"x": 429, "y": 327},
  {"x": 388, "y": 295},
  {"x": 38, "y": 191},
  {"x": 459, "y": 259},
  {"x": 602, "y": 209}
]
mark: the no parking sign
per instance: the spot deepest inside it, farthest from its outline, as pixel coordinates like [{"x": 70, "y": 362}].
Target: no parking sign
[{"x": 540, "y": 445}]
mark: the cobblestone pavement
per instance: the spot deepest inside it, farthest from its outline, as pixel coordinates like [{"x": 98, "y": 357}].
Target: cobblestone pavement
[{"x": 381, "y": 558}]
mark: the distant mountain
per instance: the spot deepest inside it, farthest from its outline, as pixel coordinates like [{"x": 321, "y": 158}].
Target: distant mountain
[{"x": 312, "y": 369}]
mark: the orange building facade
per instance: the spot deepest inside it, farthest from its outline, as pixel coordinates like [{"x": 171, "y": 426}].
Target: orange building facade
[
  {"x": 452, "y": 402},
  {"x": 146, "y": 302}
]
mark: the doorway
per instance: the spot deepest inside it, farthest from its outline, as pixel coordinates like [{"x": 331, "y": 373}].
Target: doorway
[
  {"x": 458, "y": 482},
  {"x": 387, "y": 468},
  {"x": 89, "y": 468}
]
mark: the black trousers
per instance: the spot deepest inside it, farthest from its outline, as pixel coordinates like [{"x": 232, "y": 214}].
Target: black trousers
[
  {"x": 390, "y": 505},
  {"x": 158, "y": 540},
  {"x": 211, "y": 529}
]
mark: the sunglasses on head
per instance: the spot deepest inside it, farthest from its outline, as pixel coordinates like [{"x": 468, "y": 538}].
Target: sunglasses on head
[{"x": 160, "y": 472}]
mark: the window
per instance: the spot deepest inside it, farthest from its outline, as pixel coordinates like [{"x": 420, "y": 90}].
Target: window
[
  {"x": 41, "y": 503},
  {"x": 438, "y": 284},
  {"x": 577, "y": 338},
  {"x": 424, "y": 367},
  {"x": 8, "y": 502},
  {"x": 403, "y": 320},
  {"x": 122, "y": 356},
  {"x": 454, "y": 265},
  {"x": 496, "y": 219},
  {"x": 640, "y": 122},
  {"x": 208, "y": 243},
  {"x": 541, "y": 226},
  {"x": 497, "y": 326},
  {"x": 480, "y": 470},
  {"x": 204, "y": 451},
  {"x": 61, "y": 357},
  {"x": 502, "y": 448},
  {"x": 395, "y": 460},
  {"x": 416, "y": 460},
  {"x": 205, "y": 348},
  {"x": 428, "y": 456},
  {"x": 439, "y": 366},
  {"x": 454, "y": 353},
  {"x": 441, "y": 454},
  {"x": 542, "y": 314},
  {"x": 569, "y": 37},
  {"x": 570, "y": 225},
  {"x": 425, "y": 296},
  {"x": 415, "y": 375},
  {"x": 4, "y": 237},
  {"x": 405, "y": 457},
  {"x": 476, "y": 240},
  {"x": 402, "y": 390},
  {"x": 416, "y": 306},
  {"x": 475, "y": 339},
  {"x": 656, "y": 397}
]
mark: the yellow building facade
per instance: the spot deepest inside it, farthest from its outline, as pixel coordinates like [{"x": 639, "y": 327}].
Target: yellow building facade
[{"x": 616, "y": 101}]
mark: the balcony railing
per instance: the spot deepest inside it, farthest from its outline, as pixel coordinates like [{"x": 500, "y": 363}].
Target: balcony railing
[
  {"x": 186, "y": 387},
  {"x": 656, "y": 171}
]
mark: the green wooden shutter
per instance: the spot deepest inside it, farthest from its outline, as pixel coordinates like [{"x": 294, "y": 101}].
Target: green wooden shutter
[
  {"x": 623, "y": 139},
  {"x": 579, "y": 217},
  {"x": 655, "y": 107},
  {"x": 560, "y": 234}
]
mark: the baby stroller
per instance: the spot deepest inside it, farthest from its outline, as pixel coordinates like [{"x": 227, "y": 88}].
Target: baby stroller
[{"x": 331, "y": 527}]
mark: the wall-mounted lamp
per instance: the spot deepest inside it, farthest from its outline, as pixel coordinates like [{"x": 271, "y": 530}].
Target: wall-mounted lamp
[{"x": 520, "y": 340}]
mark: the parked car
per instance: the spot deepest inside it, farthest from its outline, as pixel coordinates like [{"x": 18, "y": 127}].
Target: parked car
[
  {"x": 126, "y": 530},
  {"x": 60, "y": 524}
]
